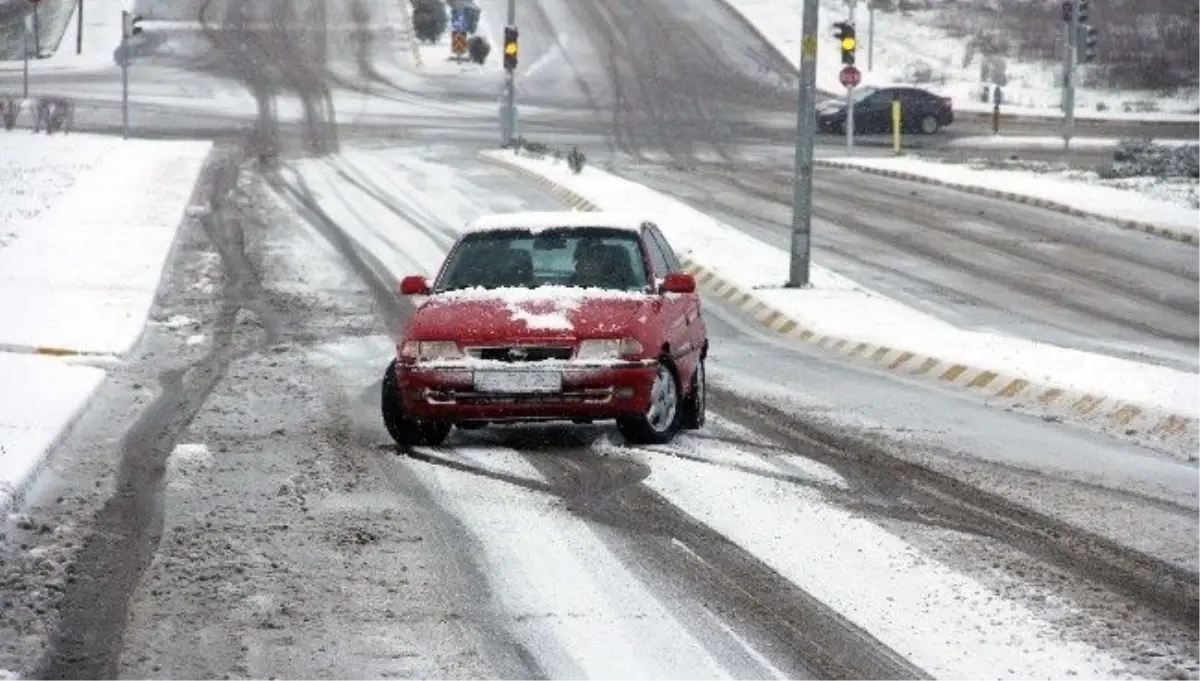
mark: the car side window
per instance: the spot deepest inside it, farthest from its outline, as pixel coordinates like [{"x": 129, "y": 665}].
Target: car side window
[
  {"x": 673, "y": 264},
  {"x": 657, "y": 259}
]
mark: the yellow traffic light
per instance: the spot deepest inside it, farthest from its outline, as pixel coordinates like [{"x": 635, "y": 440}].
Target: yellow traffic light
[
  {"x": 510, "y": 49},
  {"x": 849, "y": 43}
]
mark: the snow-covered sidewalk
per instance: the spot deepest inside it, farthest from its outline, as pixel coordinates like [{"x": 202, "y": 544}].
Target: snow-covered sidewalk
[
  {"x": 837, "y": 307},
  {"x": 86, "y": 225},
  {"x": 1077, "y": 193}
]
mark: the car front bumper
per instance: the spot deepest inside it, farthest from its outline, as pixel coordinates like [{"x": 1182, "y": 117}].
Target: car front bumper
[{"x": 592, "y": 391}]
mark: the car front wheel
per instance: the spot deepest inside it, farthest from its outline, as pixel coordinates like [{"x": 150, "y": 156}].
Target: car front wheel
[
  {"x": 663, "y": 418},
  {"x": 405, "y": 431}
]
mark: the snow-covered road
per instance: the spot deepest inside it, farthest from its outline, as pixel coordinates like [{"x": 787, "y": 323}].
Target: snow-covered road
[{"x": 229, "y": 503}]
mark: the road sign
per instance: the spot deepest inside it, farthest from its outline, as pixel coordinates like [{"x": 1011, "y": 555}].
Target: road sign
[
  {"x": 458, "y": 20},
  {"x": 458, "y": 43},
  {"x": 850, "y": 76}
]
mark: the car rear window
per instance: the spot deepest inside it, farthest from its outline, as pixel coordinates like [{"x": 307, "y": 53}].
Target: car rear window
[{"x": 590, "y": 257}]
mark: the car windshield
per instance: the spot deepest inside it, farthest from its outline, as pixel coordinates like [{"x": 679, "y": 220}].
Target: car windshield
[{"x": 587, "y": 257}]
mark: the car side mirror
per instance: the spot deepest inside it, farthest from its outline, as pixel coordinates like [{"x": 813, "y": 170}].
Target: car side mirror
[
  {"x": 678, "y": 283},
  {"x": 414, "y": 285}
]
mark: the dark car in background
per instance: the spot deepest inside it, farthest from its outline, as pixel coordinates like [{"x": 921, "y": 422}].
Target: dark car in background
[{"x": 921, "y": 111}]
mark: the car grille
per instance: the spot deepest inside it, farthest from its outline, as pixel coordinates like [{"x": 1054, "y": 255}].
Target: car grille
[{"x": 522, "y": 353}]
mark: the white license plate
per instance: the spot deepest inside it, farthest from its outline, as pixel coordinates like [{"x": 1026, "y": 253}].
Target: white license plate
[{"x": 516, "y": 382}]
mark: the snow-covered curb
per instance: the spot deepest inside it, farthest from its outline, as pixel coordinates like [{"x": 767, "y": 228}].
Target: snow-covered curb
[
  {"x": 32, "y": 420},
  {"x": 1126, "y": 209},
  {"x": 839, "y": 309},
  {"x": 80, "y": 264}
]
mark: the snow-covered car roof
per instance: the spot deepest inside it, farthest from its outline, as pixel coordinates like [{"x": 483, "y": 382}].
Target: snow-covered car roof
[{"x": 537, "y": 221}]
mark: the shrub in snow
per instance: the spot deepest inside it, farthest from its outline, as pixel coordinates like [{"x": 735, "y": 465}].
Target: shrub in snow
[
  {"x": 429, "y": 19},
  {"x": 478, "y": 49},
  {"x": 1141, "y": 158},
  {"x": 575, "y": 160}
]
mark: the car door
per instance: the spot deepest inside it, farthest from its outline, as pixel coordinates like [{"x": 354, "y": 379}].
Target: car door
[
  {"x": 684, "y": 324},
  {"x": 877, "y": 113},
  {"x": 915, "y": 106}
]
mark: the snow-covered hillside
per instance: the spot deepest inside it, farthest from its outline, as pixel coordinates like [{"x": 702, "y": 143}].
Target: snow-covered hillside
[{"x": 941, "y": 44}]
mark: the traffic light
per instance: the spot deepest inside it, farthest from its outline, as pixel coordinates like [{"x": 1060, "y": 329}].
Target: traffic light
[
  {"x": 844, "y": 32},
  {"x": 1085, "y": 10},
  {"x": 1087, "y": 51},
  {"x": 129, "y": 24},
  {"x": 510, "y": 48},
  {"x": 1068, "y": 7}
]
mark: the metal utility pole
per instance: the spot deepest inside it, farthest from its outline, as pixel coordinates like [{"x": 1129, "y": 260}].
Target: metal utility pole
[
  {"x": 1071, "y": 23},
  {"x": 850, "y": 94},
  {"x": 509, "y": 112},
  {"x": 806, "y": 132},
  {"x": 25, "y": 69},
  {"x": 870, "y": 34},
  {"x": 79, "y": 28},
  {"x": 124, "y": 74}
]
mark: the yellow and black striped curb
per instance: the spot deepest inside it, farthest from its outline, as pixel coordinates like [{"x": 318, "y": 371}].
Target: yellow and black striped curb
[
  {"x": 1182, "y": 236},
  {"x": 1112, "y": 415}
]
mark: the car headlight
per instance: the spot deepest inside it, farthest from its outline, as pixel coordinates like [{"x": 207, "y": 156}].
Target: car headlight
[
  {"x": 430, "y": 351},
  {"x": 609, "y": 348}
]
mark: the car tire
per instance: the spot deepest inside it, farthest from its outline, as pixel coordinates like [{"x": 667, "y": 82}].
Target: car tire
[
  {"x": 656, "y": 427},
  {"x": 929, "y": 125},
  {"x": 697, "y": 401},
  {"x": 405, "y": 431}
]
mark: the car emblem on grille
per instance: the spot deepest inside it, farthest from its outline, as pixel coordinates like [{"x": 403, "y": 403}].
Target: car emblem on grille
[{"x": 517, "y": 354}]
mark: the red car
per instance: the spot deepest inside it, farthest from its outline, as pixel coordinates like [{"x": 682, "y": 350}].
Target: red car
[{"x": 559, "y": 316}]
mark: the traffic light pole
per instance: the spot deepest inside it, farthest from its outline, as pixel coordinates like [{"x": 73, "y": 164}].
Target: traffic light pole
[
  {"x": 850, "y": 95},
  {"x": 510, "y": 88},
  {"x": 1069, "y": 49},
  {"x": 806, "y": 132},
  {"x": 124, "y": 74}
]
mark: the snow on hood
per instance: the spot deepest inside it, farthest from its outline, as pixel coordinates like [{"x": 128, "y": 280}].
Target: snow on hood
[{"x": 545, "y": 308}]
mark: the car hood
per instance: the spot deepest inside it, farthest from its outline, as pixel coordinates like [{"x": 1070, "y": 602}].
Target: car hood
[
  {"x": 831, "y": 107},
  {"x": 517, "y": 315}
]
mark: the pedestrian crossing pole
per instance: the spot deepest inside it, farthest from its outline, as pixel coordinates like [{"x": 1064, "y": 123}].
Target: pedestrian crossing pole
[{"x": 508, "y": 110}]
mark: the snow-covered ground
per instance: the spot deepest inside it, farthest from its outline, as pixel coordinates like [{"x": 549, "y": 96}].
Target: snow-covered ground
[
  {"x": 1167, "y": 202},
  {"x": 86, "y": 224},
  {"x": 754, "y": 265},
  {"x": 905, "y": 49},
  {"x": 101, "y": 36}
]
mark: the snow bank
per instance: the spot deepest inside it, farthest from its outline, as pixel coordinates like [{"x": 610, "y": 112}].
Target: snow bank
[
  {"x": 82, "y": 273},
  {"x": 49, "y": 397},
  {"x": 1110, "y": 202},
  {"x": 837, "y": 306}
]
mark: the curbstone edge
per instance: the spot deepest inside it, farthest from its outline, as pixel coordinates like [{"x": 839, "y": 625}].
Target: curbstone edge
[{"x": 1133, "y": 225}]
